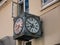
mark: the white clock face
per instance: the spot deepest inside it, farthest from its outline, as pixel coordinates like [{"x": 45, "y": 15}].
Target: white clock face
[
  {"x": 18, "y": 26},
  {"x": 32, "y": 25}
]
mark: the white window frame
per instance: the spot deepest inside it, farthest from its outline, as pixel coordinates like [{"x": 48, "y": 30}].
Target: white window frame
[
  {"x": 24, "y": 5},
  {"x": 47, "y": 5},
  {"x": 2, "y": 2}
]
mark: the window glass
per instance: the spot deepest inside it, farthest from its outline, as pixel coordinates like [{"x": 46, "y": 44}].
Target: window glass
[
  {"x": 26, "y": 5},
  {"x": 46, "y": 1}
]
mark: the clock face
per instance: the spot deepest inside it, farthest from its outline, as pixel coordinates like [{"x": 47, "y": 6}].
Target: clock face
[
  {"x": 32, "y": 24},
  {"x": 18, "y": 25}
]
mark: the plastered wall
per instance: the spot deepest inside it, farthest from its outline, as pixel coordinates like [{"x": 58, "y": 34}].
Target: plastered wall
[
  {"x": 51, "y": 28},
  {"x": 6, "y": 21},
  {"x": 51, "y": 24},
  {"x": 35, "y": 7}
]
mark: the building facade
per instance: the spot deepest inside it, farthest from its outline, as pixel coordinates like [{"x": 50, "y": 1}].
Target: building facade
[
  {"x": 48, "y": 11},
  {"x": 6, "y": 24}
]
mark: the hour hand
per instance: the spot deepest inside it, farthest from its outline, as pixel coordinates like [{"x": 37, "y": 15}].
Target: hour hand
[{"x": 29, "y": 22}]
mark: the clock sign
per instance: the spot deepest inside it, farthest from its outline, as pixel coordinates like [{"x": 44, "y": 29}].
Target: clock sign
[
  {"x": 32, "y": 24},
  {"x": 27, "y": 27},
  {"x": 18, "y": 25}
]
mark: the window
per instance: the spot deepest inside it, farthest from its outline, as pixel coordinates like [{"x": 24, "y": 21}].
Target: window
[
  {"x": 18, "y": 8},
  {"x": 26, "y": 6},
  {"x": 46, "y": 3}
]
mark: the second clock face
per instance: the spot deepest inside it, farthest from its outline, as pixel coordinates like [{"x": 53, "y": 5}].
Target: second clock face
[
  {"x": 18, "y": 25},
  {"x": 32, "y": 24}
]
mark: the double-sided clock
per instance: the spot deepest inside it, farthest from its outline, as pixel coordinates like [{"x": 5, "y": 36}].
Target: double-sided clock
[{"x": 27, "y": 27}]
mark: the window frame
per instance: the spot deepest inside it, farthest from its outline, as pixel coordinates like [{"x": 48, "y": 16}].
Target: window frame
[
  {"x": 43, "y": 6},
  {"x": 2, "y": 2}
]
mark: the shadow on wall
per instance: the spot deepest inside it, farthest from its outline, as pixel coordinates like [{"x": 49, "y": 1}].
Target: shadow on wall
[
  {"x": 57, "y": 44},
  {"x": 8, "y": 40}
]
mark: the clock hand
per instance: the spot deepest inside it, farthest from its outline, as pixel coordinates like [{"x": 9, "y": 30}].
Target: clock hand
[{"x": 29, "y": 22}]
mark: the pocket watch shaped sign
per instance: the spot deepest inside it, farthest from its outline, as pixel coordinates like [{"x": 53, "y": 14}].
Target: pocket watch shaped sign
[
  {"x": 32, "y": 24},
  {"x": 18, "y": 25}
]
